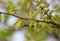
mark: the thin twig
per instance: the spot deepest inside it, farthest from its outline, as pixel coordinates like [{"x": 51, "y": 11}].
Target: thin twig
[
  {"x": 53, "y": 23},
  {"x": 49, "y": 16}
]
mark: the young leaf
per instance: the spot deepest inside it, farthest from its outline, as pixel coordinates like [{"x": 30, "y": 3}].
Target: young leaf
[
  {"x": 31, "y": 23},
  {"x": 10, "y": 7},
  {"x": 6, "y": 17},
  {"x": 0, "y": 17},
  {"x": 19, "y": 24},
  {"x": 30, "y": 13},
  {"x": 35, "y": 13},
  {"x": 35, "y": 26}
]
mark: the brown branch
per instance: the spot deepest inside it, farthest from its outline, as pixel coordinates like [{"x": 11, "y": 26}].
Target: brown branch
[
  {"x": 53, "y": 23},
  {"x": 53, "y": 26}
]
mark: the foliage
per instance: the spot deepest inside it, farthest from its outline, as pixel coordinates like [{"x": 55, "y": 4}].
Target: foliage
[{"x": 37, "y": 30}]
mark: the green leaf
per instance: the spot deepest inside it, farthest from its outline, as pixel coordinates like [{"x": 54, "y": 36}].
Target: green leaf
[
  {"x": 31, "y": 23},
  {"x": 9, "y": 31},
  {"x": 6, "y": 17},
  {"x": 0, "y": 17},
  {"x": 10, "y": 7},
  {"x": 19, "y": 24},
  {"x": 35, "y": 26},
  {"x": 35, "y": 13},
  {"x": 2, "y": 33}
]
